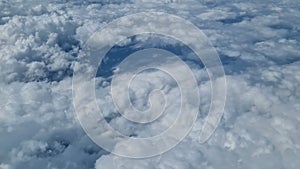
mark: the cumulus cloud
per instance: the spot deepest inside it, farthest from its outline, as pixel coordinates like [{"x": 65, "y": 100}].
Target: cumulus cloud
[{"x": 258, "y": 43}]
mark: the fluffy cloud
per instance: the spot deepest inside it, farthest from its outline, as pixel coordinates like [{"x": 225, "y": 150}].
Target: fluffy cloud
[{"x": 258, "y": 43}]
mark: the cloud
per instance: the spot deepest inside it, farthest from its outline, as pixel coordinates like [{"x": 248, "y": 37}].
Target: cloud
[{"x": 258, "y": 43}]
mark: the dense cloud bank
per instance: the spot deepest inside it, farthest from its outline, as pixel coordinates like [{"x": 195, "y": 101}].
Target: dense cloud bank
[{"x": 258, "y": 43}]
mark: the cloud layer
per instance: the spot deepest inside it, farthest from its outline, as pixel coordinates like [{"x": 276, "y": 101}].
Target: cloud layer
[{"x": 258, "y": 43}]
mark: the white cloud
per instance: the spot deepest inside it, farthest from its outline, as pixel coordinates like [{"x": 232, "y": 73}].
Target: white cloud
[{"x": 259, "y": 46}]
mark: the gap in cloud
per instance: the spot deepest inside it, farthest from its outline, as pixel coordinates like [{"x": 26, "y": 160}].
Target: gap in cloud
[{"x": 139, "y": 42}]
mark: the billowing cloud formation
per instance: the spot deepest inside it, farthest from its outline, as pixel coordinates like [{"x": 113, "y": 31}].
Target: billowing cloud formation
[{"x": 258, "y": 43}]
